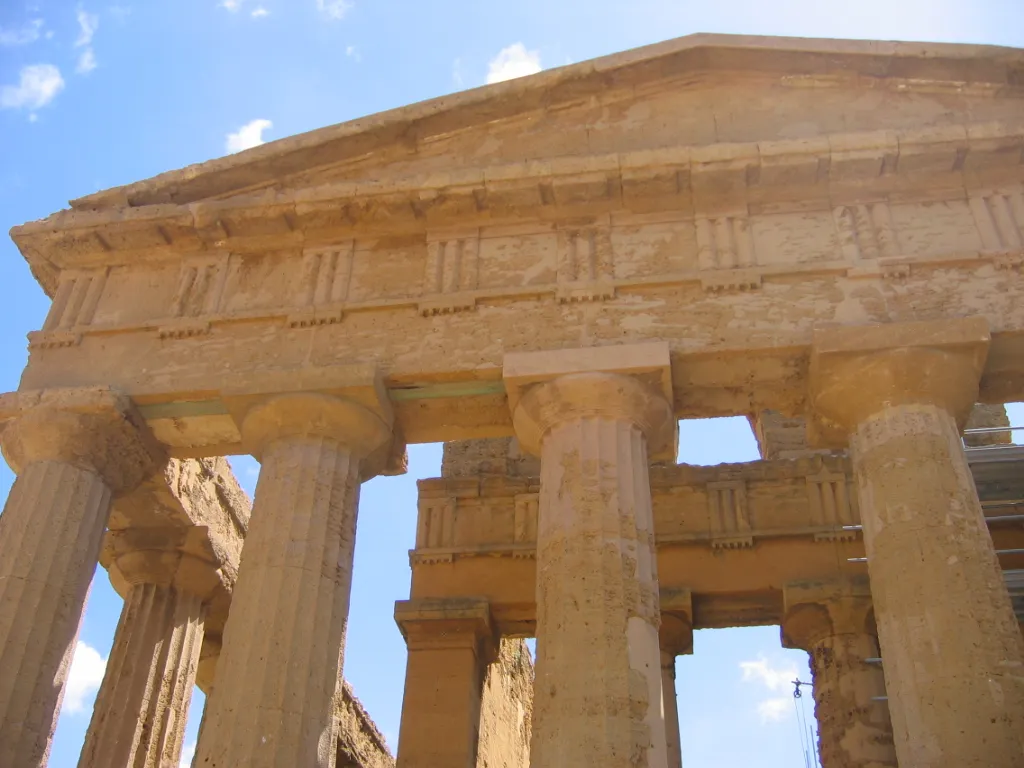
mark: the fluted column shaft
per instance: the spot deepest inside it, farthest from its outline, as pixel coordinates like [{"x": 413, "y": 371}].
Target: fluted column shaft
[
  {"x": 139, "y": 716},
  {"x": 50, "y": 534},
  {"x": 598, "y": 694},
  {"x": 854, "y": 729},
  {"x": 954, "y": 658},
  {"x": 273, "y": 702},
  {"x": 668, "y": 687}
]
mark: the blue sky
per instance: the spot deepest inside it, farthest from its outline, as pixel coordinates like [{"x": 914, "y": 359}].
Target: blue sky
[{"x": 102, "y": 93}]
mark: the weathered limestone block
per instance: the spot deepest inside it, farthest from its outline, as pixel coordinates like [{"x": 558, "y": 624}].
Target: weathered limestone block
[
  {"x": 834, "y": 624},
  {"x": 492, "y": 456},
  {"x": 785, "y": 437},
  {"x": 952, "y": 649},
  {"x": 172, "y": 553},
  {"x": 274, "y": 698},
  {"x": 988, "y": 417},
  {"x": 360, "y": 743},
  {"x": 598, "y": 693},
  {"x": 73, "y": 450},
  {"x": 782, "y": 437},
  {"x": 506, "y": 708}
]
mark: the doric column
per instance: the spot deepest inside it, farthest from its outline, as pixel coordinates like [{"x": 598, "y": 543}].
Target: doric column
[
  {"x": 953, "y": 655},
  {"x": 676, "y": 639},
  {"x": 73, "y": 451},
  {"x": 593, "y": 415},
  {"x": 834, "y": 624},
  {"x": 450, "y": 644},
  {"x": 273, "y": 702},
  {"x": 139, "y": 717}
]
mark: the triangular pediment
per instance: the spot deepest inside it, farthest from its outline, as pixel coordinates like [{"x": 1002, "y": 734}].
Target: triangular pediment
[{"x": 694, "y": 91}]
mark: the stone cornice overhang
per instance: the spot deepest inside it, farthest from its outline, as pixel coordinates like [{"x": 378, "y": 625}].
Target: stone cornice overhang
[
  {"x": 928, "y": 164},
  {"x": 808, "y": 60}
]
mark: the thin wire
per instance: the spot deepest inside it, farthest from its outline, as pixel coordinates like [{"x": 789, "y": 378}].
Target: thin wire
[{"x": 800, "y": 727}]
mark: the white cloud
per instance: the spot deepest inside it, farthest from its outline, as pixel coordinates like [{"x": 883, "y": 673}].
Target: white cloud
[
  {"x": 248, "y": 136},
  {"x": 24, "y": 35},
  {"x": 87, "y": 25},
  {"x": 188, "y": 753},
  {"x": 87, "y": 668},
  {"x": 775, "y": 679},
  {"x": 231, "y": 5},
  {"x": 762, "y": 671},
  {"x": 86, "y": 62},
  {"x": 259, "y": 12},
  {"x": 775, "y": 709},
  {"x": 334, "y": 9},
  {"x": 353, "y": 53},
  {"x": 37, "y": 85},
  {"x": 514, "y": 61}
]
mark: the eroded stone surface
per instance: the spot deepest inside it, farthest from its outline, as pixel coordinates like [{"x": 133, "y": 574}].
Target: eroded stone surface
[
  {"x": 506, "y": 709},
  {"x": 833, "y": 622},
  {"x": 360, "y": 743},
  {"x": 74, "y": 451}
]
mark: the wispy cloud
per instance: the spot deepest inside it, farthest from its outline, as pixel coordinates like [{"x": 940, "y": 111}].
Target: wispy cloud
[
  {"x": 37, "y": 86},
  {"x": 248, "y": 136},
  {"x": 86, "y": 62},
  {"x": 87, "y": 668},
  {"x": 232, "y": 5},
  {"x": 259, "y": 12},
  {"x": 353, "y": 53},
  {"x": 26, "y": 34},
  {"x": 514, "y": 61},
  {"x": 776, "y": 679},
  {"x": 188, "y": 753},
  {"x": 334, "y": 9},
  {"x": 88, "y": 23}
]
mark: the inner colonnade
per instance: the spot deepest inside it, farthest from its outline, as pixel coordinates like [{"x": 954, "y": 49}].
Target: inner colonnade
[{"x": 712, "y": 226}]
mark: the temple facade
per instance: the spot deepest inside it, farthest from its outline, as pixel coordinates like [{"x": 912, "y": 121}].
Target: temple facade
[{"x": 547, "y": 274}]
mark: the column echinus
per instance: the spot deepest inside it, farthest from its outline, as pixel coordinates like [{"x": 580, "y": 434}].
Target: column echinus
[
  {"x": 73, "y": 451},
  {"x": 834, "y": 623},
  {"x": 172, "y": 573},
  {"x": 953, "y": 656},
  {"x": 281, "y": 659},
  {"x": 596, "y": 417}
]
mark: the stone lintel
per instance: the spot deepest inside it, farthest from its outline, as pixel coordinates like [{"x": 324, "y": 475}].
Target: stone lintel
[
  {"x": 95, "y": 428},
  {"x": 676, "y": 632},
  {"x": 813, "y": 611},
  {"x": 856, "y": 371},
  {"x": 647, "y": 364},
  {"x": 443, "y": 623}
]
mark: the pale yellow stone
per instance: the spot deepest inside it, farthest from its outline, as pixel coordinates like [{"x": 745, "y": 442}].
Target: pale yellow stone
[{"x": 834, "y": 623}]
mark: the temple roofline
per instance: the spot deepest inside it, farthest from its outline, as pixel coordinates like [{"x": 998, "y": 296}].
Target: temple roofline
[{"x": 700, "y": 53}]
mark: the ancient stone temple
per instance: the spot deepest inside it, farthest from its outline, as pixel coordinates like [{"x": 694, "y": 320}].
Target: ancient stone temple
[{"x": 547, "y": 275}]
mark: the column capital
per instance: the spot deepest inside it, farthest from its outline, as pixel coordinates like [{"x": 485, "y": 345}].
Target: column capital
[
  {"x": 856, "y": 371},
  {"x": 446, "y": 623},
  {"x": 630, "y": 382},
  {"x": 675, "y": 635},
  {"x": 97, "y": 429},
  {"x": 813, "y": 611},
  {"x": 176, "y": 557},
  {"x": 347, "y": 403}
]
